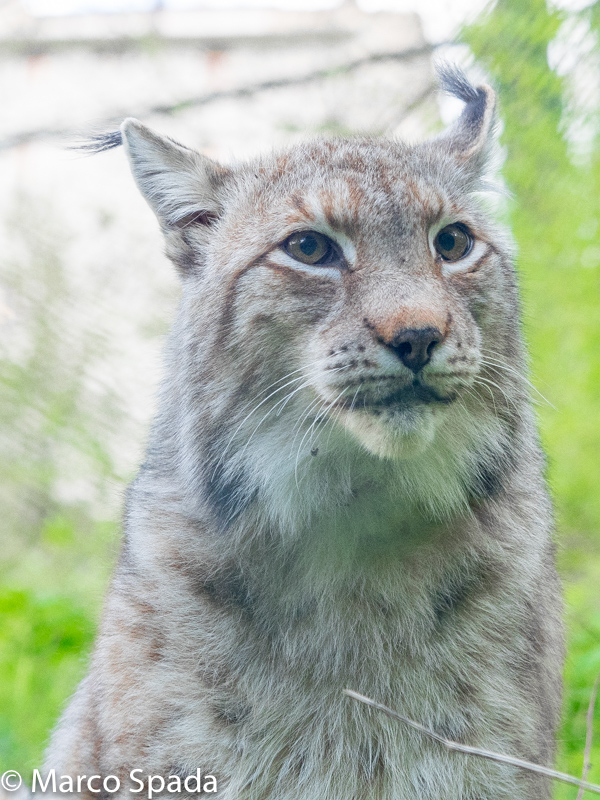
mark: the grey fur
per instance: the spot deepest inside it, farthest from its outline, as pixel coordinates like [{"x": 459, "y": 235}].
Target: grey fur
[{"x": 307, "y": 518}]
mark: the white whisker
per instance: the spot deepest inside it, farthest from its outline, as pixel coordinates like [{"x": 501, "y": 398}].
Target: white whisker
[
  {"x": 495, "y": 362},
  {"x": 509, "y": 400},
  {"x": 322, "y": 412},
  {"x": 282, "y": 402},
  {"x": 262, "y": 402},
  {"x": 322, "y": 405}
]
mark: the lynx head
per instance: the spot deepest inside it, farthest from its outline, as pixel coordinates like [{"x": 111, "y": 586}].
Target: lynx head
[{"x": 344, "y": 297}]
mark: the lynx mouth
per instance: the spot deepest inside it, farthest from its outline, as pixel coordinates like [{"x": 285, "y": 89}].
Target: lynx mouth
[{"x": 414, "y": 394}]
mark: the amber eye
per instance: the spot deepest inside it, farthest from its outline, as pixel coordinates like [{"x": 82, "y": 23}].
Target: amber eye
[
  {"x": 310, "y": 247},
  {"x": 453, "y": 242}
]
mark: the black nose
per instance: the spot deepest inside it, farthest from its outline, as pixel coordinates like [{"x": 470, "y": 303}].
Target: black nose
[{"x": 414, "y": 346}]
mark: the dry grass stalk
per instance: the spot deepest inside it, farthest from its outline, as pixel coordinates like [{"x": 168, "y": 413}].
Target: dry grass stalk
[
  {"x": 589, "y": 735},
  {"x": 476, "y": 751}
]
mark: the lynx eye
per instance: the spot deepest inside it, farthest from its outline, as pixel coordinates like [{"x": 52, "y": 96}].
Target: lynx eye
[
  {"x": 310, "y": 247},
  {"x": 453, "y": 242}
]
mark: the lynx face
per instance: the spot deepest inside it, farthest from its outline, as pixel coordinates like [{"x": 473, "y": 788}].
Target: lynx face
[
  {"x": 342, "y": 292},
  {"x": 379, "y": 323}
]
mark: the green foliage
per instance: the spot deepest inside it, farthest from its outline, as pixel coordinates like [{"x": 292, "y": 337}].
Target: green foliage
[
  {"x": 555, "y": 217},
  {"x": 51, "y": 424},
  {"x": 42, "y": 645},
  {"x": 581, "y": 670},
  {"x": 55, "y": 553}
]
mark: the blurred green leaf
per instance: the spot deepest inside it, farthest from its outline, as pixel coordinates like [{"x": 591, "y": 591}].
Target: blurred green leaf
[
  {"x": 555, "y": 217},
  {"x": 42, "y": 640}
]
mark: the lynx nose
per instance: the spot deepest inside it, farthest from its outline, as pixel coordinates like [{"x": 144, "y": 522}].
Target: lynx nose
[{"x": 414, "y": 346}]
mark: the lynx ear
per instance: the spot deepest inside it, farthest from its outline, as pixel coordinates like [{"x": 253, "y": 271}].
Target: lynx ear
[
  {"x": 181, "y": 186},
  {"x": 471, "y": 139}
]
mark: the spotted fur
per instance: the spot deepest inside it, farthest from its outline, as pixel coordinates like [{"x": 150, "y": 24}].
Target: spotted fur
[{"x": 312, "y": 513}]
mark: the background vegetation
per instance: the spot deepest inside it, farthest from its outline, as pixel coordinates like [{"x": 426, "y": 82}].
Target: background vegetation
[
  {"x": 546, "y": 66},
  {"x": 551, "y": 135}
]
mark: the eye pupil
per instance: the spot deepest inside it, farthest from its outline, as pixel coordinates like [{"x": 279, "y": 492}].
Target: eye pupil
[
  {"x": 446, "y": 241},
  {"x": 308, "y": 245}
]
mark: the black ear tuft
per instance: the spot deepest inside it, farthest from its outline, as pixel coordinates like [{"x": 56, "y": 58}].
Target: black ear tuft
[
  {"x": 471, "y": 137},
  {"x": 454, "y": 81},
  {"x": 99, "y": 142}
]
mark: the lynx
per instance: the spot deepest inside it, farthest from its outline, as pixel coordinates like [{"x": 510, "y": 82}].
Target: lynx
[{"x": 343, "y": 489}]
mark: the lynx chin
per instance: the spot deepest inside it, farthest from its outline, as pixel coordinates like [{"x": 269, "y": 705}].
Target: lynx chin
[{"x": 343, "y": 487}]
